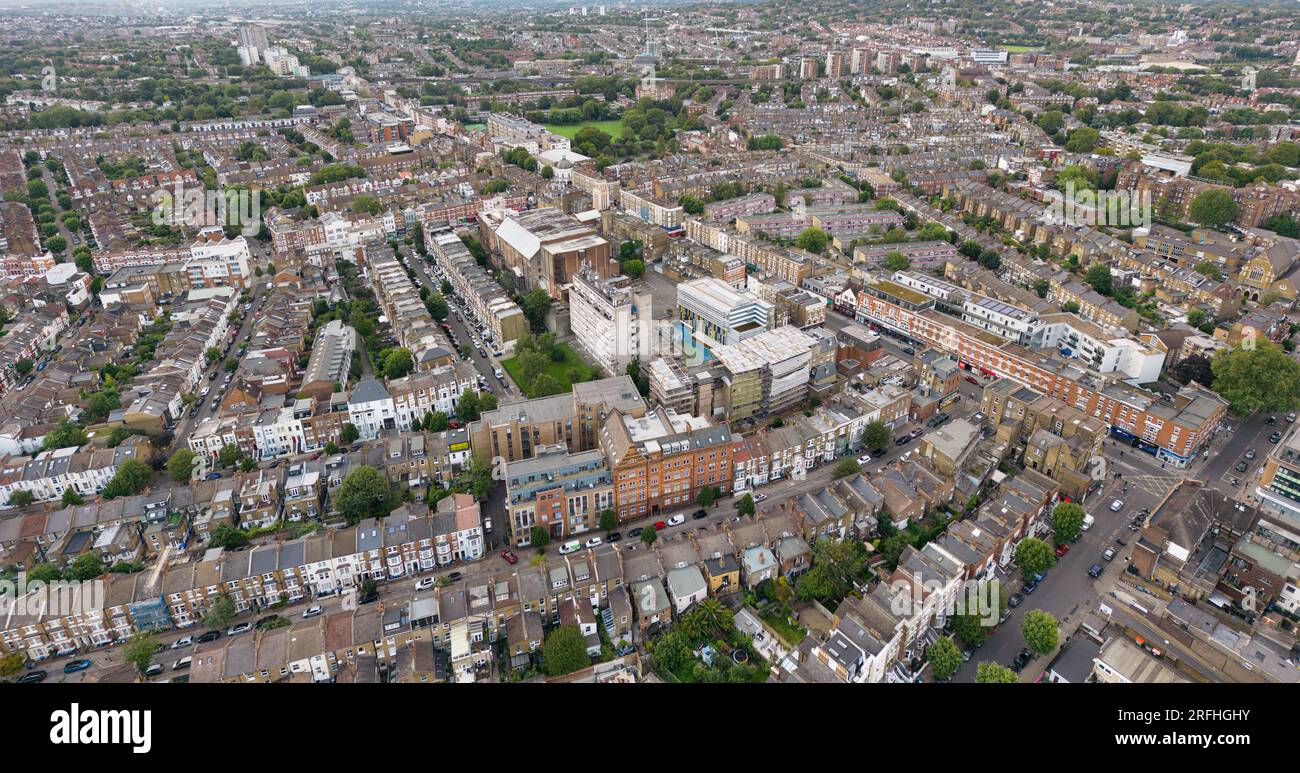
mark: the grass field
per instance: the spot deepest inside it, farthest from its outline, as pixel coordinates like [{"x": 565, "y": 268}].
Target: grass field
[
  {"x": 612, "y": 128},
  {"x": 558, "y": 370},
  {"x": 1020, "y": 49}
]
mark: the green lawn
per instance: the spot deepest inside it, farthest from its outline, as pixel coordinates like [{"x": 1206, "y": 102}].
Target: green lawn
[
  {"x": 612, "y": 128},
  {"x": 1020, "y": 49},
  {"x": 558, "y": 370}
]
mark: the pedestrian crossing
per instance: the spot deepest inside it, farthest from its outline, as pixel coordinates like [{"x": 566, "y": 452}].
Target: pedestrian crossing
[{"x": 1159, "y": 485}]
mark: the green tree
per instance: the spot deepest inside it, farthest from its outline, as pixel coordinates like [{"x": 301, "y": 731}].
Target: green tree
[
  {"x": 21, "y": 498},
  {"x": 65, "y": 435},
  {"x": 362, "y": 494},
  {"x": 72, "y": 498},
  {"x": 691, "y": 205},
  {"x": 746, "y": 506},
  {"x": 180, "y": 465},
  {"x": 349, "y": 433},
  {"x": 1213, "y": 207},
  {"x": 1259, "y": 379},
  {"x": 846, "y": 467},
  {"x": 535, "y": 304},
  {"x": 1083, "y": 140},
  {"x": 649, "y": 535},
  {"x": 86, "y": 567},
  {"x": 139, "y": 650},
  {"x": 1040, "y": 631},
  {"x": 467, "y": 405},
  {"x": 229, "y": 455},
  {"x": 231, "y": 365},
  {"x": 813, "y": 240},
  {"x": 398, "y": 362},
  {"x": 565, "y": 651},
  {"x": 944, "y": 658},
  {"x": 707, "y": 496},
  {"x": 876, "y": 435},
  {"x": 972, "y": 626},
  {"x": 439, "y": 422},
  {"x": 228, "y": 536},
  {"x": 1067, "y": 522},
  {"x": 221, "y": 613},
  {"x": 897, "y": 261},
  {"x": 1099, "y": 278},
  {"x": 12, "y": 663},
  {"x": 131, "y": 478},
  {"x": 992, "y": 673},
  {"x": 835, "y": 566},
  {"x": 539, "y": 536},
  {"x": 608, "y": 520},
  {"x": 1034, "y": 556}
]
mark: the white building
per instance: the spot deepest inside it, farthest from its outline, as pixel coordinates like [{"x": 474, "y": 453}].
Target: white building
[
  {"x": 611, "y": 319},
  {"x": 371, "y": 408},
  {"x": 714, "y": 314}
]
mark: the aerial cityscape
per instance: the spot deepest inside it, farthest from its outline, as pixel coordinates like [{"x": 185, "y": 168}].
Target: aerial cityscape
[{"x": 891, "y": 342}]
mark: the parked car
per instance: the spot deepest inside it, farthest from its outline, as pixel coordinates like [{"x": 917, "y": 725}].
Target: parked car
[
  {"x": 235, "y": 630},
  {"x": 182, "y": 664},
  {"x": 1021, "y": 659},
  {"x": 454, "y": 577},
  {"x": 864, "y": 458},
  {"x": 570, "y": 547},
  {"x": 31, "y": 677},
  {"x": 1290, "y": 418},
  {"x": 634, "y": 533},
  {"x": 1241, "y": 467},
  {"x": 73, "y": 666},
  {"x": 1276, "y": 436},
  {"x": 315, "y": 610},
  {"x": 509, "y": 556},
  {"x": 183, "y": 642},
  {"x": 425, "y": 583},
  {"x": 1250, "y": 454},
  {"x": 700, "y": 514},
  {"x": 1029, "y": 587},
  {"x": 676, "y": 520},
  {"x": 207, "y": 637},
  {"x": 154, "y": 669},
  {"x": 614, "y": 537},
  {"x": 1271, "y": 420},
  {"x": 660, "y": 526},
  {"x": 593, "y": 542},
  {"x": 760, "y": 497},
  {"x": 1108, "y": 554},
  {"x": 1117, "y": 505},
  {"x": 1014, "y": 600},
  {"x": 1094, "y": 571},
  {"x": 1062, "y": 549}
]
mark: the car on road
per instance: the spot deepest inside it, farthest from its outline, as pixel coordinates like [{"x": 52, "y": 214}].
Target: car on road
[
  {"x": 1276, "y": 436},
  {"x": 1094, "y": 571},
  {"x": 614, "y": 537},
  {"x": 154, "y": 669},
  {"x": 204, "y": 391},
  {"x": 676, "y": 520},
  {"x": 1117, "y": 505},
  {"x": 864, "y": 458},
  {"x": 634, "y": 533},
  {"x": 454, "y": 577},
  {"x": 235, "y": 630},
  {"x": 509, "y": 556},
  {"x": 182, "y": 664},
  {"x": 1250, "y": 454},
  {"x": 1021, "y": 659},
  {"x": 1088, "y": 521},
  {"x": 1029, "y": 587},
  {"x": 660, "y": 526},
  {"x": 183, "y": 642},
  {"x": 1062, "y": 549},
  {"x": 1014, "y": 600},
  {"x": 593, "y": 542},
  {"x": 1271, "y": 420},
  {"x": 904, "y": 440},
  {"x": 212, "y": 476},
  {"x": 313, "y": 611},
  {"x": 204, "y": 638},
  {"x": 972, "y": 380},
  {"x": 31, "y": 677},
  {"x": 73, "y": 666},
  {"x": 700, "y": 515},
  {"x": 570, "y": 547},
  {"x": 1241, "y": 467},
  {"x": 1290, "y": 418},
  {"x": 425, "y": 583},
  {"x": 760, "y": 497},
  {"x": 1108, "y": 554}
]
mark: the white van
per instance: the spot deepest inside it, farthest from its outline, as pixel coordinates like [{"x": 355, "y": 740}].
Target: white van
[
  {"x": 570, "y": 547},
  {"x": 1088, "y": 521}
]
